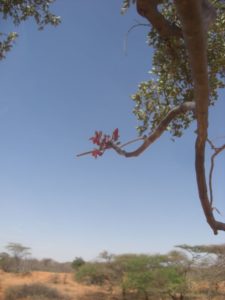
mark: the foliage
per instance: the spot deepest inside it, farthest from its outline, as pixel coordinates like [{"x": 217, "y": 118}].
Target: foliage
[
  {"x": 106, "y": 256},
  {"x": 152, "y": 275},
  {"x": 16, "y": 262},
  {"x": 18, "y": 11},
  {"x": 148, "y": 275},
  {"x": 126, "y": 5},
  {"x": 77, "y": 263},
  {"x": 137, "y": 281},
  {"x": 34, "y": 291},
  {"x": 170, "y": 280},
  {"x": 135, "y": 262},
  {"x": 18, "y": 250},
  {"x": 93, "y": 273},
  {"x": 171, "y": 81}
]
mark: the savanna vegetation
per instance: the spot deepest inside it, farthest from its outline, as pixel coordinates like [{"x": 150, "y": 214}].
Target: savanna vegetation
[
  {"x": 187, "y": 272},
  {"x": 184, "y": 273},
  {"x": 17, "y": 259}
]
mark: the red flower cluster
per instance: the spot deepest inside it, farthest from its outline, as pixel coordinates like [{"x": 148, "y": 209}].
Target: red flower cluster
[
  {"x": 115, "y": 135},
  {"x": 103, "y": 141}
]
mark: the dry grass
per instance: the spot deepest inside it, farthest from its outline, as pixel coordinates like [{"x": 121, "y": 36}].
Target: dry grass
[{"x": 63, "y": 282}]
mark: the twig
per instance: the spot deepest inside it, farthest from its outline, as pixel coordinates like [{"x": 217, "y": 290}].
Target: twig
[
  {"x": 133, "y": 141},
  {"x": 122, "y": 146},
  {"x": 216, "y": 152},
  {"x": 131, "y": 28},
  {"x": 84, "y": 153}
]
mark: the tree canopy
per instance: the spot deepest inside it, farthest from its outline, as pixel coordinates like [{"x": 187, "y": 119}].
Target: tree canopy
[
  {"x": 188, "y": 68},
  {"x": 17, "y": 11}
]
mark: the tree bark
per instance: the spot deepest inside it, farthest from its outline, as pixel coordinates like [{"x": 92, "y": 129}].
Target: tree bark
[{"x": 148, "y": 9}]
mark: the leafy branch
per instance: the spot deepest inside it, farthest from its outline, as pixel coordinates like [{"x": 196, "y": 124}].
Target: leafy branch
[{"x": 188, "y": 69}]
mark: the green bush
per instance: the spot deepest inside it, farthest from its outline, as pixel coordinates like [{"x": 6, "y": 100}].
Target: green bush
[
  {"x": 93, "y": 273},
  {"x": 77, "y": 263},
  {"x": 34, "y": 291}
]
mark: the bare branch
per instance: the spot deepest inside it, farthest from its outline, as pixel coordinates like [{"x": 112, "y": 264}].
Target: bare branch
[
  {"x": 178, "y": 110},
  {"x": 133, "y": 141},
  {"x": 84, "y": 153},
  {"x": 216, "y": 152},
  {"x": 130, "y": 29},
  {"x": 148, "y": 9}
]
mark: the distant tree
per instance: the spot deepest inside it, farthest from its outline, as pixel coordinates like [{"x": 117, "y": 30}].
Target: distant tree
[
  {"x": 93, "y": 273},
  {"x": 18, "y": 250},
  {"x": 209, "y": 266},
  {"x": 77, "y": 263},
  {"x": 5, "y": 262},
  {"x": 106, "y": 256},
  {"x": 18, "y": 11},
  {"x": 188, "y": 68},
  {"x": 47, "y": 263},
  {"x": 19, "y": 253}
]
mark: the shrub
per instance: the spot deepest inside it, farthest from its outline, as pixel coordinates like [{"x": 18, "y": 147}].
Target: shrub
[
  {"x": 77, "y": 263},
  {"x": 34, "y": 291},
  {"x": 93, "y": 273}
]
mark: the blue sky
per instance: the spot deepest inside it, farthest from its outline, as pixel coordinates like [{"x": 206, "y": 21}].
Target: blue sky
[{"x": 57, "y": 87}]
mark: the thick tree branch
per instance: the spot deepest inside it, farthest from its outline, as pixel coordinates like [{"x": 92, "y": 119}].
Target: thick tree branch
[
  {"x": 148, "y": 9},
  {"x": 194, "y": 31},
  {"x": 181, "y": 109}
]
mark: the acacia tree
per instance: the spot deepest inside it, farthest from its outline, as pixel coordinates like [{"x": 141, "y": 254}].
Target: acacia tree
[
  {"x": 19, "y": 254},
  {"x": 188, "y": 69},
  {"x": 208, "y": 262},
  {"x": 18, "y": 11}
]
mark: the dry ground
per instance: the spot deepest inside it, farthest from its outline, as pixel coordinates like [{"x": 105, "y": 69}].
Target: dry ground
[{"x": 63, "y": 282}]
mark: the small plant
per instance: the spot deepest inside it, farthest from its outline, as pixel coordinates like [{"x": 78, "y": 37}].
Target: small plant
[{"x": 34, "y": 291}]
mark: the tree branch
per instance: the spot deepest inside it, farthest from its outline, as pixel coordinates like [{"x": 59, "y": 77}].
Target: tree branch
[
  {"x": 192, "y": 19},
  {"x": 130, "y": 29},
  {"x": 148, "y": 9},
  {"x": 178, "y": 110},
  {"x": 216, "y": 152}
]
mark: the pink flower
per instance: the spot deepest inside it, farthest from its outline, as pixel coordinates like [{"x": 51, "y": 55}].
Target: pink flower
[
  {"x": 96, "y": 153},
  {"x": 115, "y": 134},
  {"x": 96, "y": 139}
]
